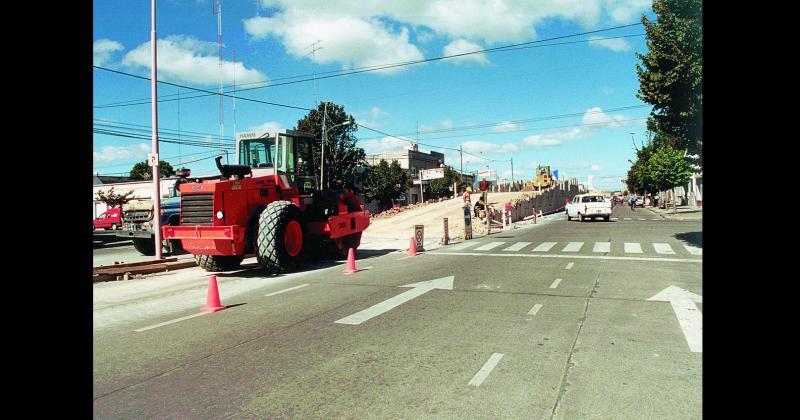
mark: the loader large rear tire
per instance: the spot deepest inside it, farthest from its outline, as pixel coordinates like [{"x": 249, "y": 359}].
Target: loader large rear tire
[
  {"x": 280, "y": 237},
  {"x": 145, "y": 246},
  {"x": 219, "y": 262}
]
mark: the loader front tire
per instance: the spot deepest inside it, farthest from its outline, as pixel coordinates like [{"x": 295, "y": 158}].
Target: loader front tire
[{"x": 280, "y": 237}]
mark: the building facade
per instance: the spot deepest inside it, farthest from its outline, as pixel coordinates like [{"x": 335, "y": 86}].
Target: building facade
[{"x": 413, "y": 161}]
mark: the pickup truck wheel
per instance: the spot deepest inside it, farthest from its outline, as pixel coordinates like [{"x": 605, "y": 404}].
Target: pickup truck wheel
[
  {"x": 580, "y": 217},
  {"x": 280, "y": 237},
  {"x": 568, "y": 216},
  {"x": 113, "y": 226},
  {"x": 145, "y": 246},
  {"x": 219, "y": 262},
  {"x": 607, "y": 218}
]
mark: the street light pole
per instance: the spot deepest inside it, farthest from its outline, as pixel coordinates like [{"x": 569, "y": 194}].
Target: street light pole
[{"x": 154, "y": 116}]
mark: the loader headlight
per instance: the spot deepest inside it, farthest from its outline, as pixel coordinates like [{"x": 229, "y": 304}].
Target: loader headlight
[{"x": 220, "y": 215}]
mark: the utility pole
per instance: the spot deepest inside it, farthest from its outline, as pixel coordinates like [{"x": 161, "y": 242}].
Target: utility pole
[
  {"x": 512, "y": 173},
  {"x": 322, "y": 158},
  {"x": 461, "y": 154},
  {"x": 234, "y": 99},
  {"x": 218, "y": 12},
  {"x": 154, "y": 116}
]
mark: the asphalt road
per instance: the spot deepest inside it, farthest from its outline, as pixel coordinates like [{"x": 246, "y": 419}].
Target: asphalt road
[{"x": 604, "y": 323}]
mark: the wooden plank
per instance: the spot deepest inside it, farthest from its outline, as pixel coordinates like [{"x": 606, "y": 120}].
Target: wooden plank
[{"x": 135, "y": 264}]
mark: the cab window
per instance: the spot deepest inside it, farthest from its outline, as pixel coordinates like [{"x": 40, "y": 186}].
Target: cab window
[{"x": 253, "y": 153}]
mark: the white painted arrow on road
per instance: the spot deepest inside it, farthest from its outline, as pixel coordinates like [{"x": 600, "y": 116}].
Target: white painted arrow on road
[
  {"x": 419, "y": 289},
  {"x": 689, "y": 317}
]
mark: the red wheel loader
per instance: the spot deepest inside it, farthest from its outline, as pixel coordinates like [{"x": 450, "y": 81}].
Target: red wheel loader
[{"x": 269, "y": 205}]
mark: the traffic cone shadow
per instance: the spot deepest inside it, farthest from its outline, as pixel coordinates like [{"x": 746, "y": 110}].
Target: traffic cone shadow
[
  {"x": 351, "y": 262},
  {"x": 212, "y": 301}
]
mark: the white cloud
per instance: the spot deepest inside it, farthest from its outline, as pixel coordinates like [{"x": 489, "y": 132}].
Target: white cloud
[
  {"x": 378, "y": 116},
  {"x": 600, "y": 119},
  {"x": 589, "y": 166},
  {"x": 188, "y": 59},
  {"x": 626, "y": 11},
  {"x": 447, "y": 123},
  {"x": 269, "y": 126},
  {"x": 377, "y": 112},
  {"x": 353, "y": 31},
  {"x": 462, "y": 46},
  {"x": 618, "y": 44},
  {"x": 386, "y": 144},
  {"x": 476, "y": 147},
  {"x": 352, "y": 41},
  {"x": 112, "y": 153},
  {"x": 505, "y": 127},
  {"x": 102, "y": 50},
  {"x": 593, "y": 120}
]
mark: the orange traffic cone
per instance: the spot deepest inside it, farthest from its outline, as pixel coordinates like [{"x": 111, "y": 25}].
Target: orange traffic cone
[
  {"x": 412, "y": 250},
  {"x": 351, "y": 262},
  {"x": 212, "y": 301}
]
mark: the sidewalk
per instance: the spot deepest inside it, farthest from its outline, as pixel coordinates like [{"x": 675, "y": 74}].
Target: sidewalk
[{"x": 683, "y": 213}]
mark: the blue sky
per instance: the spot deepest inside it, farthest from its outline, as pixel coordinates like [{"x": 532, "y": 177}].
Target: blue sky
[{"x": 572, "y": 105}]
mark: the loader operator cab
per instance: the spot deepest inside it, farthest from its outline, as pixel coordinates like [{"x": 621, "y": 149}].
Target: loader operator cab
[{"x": 293, "y": 157}]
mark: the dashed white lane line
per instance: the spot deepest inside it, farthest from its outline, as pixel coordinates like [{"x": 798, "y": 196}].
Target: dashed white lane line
[
  {"x": 487, "y": 368},
  {"x": 535, "y": 309},
  {"x": 662, "y": 248},
  {"x": 694, "y": 250},
  {"x": 489, "y": 246},
  {"x": 286, "y": 290},
  {"x": 170, "y": 322},
  {"x": 573, "y": 247},
  {"x": 517, "y": 246},
  {"x": 602, "y": 247},
  {"x": 633, "y": 248},
  {"x": 569, "y": 266},
  {"x": 627, "y": 218},
  {"x": 544, "y": 247},
  {"x": 555, "y": 283},
  {"x": 641, "y": 218}
]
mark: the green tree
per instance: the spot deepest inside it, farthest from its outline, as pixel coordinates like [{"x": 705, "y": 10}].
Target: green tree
[
  {"x": 440, "y": 187},
  {"x": 671, "y": 73},
  {"x": 668, "y": 168},
  {"x": 113, "y": 200},
  {"x": 143, "y": 171},
  {"x": 342, "y": 155},
  {"x": 385, "y": 182}
]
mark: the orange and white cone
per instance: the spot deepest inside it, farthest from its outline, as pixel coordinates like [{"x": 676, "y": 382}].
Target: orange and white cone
[
  {"x": 212, "y": 301},
  {"x": 412, "y": 249},
  {"x": 351, "y": 262}
]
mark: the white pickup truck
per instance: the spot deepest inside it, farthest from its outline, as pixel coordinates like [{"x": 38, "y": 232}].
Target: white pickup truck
[{"x": 589, "y": 206}]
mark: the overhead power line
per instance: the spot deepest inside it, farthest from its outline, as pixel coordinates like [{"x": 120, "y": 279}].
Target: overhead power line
[
  {"x": 339, "y": 73},
  {"x": 519, "y": 121},
  {"x": 191, "y": 88}
]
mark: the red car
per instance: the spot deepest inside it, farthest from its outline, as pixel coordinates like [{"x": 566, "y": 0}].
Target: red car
[{"x": 111, "y": 219}]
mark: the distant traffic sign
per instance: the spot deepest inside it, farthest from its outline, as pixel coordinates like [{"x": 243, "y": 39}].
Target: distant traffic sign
[{"x": 436, "y": 173}]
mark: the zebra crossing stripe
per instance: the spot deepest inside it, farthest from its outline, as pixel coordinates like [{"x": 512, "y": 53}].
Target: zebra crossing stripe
[
  {"x": 573, "y": 247},
  {"x": 535, "y": 309},
  {"x": 463, "y": 245},
  {"x": 489, "y": 246},
  {"x": 694, "y": 250},
  {"x": 633, "y": 248},
  {"x": 544, "y": 247},
  {"x": 627, "y": 218},
  {"x": 555, "y": 283},
  {"x": 517, "y": 246},
  {"x": 662, "y": 248},
  {"x": 602, "y": 247}
]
